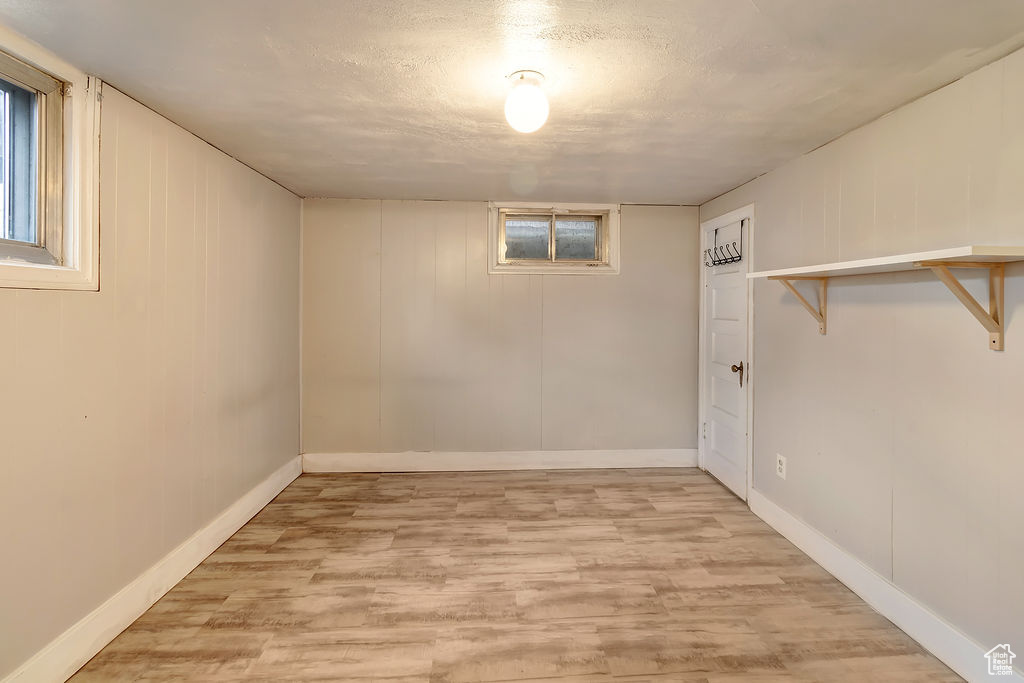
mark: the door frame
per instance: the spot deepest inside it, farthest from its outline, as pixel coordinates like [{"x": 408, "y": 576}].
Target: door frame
[{"x": 745, "y": 212}]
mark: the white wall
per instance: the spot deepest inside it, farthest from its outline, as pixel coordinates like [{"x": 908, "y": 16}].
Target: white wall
[
  {"x": 408, "y": 343},
  {"x": 132, "y": 416},
  {"x": 903, "y": 432}
]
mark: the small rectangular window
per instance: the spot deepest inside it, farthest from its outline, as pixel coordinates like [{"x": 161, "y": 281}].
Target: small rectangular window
[
  {"x": 562, "y": 238},
  {"x": 31, "y": 163},
  {"x": 550, "y": 237},
  {"x": 49, "y": 171}
]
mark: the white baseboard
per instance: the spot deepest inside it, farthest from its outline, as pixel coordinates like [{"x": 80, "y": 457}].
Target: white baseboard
[
  {"x": 76, "y": 646},
  {"x": 434, "y": 461},
  {"x": 958, "y": 651}
]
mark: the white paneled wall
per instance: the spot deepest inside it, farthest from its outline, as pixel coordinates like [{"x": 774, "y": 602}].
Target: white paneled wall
[
  {"x": 409, "y": 344},
  {"x": 132, "y": 416},
  {"x": 902, "y": 430}
]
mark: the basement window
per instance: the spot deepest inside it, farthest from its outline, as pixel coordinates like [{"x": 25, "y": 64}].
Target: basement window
[
  {"x": 567, "y": 238},
  {"x": 48, "y": 145},
  {"x": 31, "y": 137}
]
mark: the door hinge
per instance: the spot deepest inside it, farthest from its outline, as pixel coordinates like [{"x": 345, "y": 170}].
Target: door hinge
[{"x": 705, "y": 434}]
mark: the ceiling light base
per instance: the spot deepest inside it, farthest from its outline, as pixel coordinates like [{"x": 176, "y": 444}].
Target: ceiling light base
[{"x": 528, "y": 75}]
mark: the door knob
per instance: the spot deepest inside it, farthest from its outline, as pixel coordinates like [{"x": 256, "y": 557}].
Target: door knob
[{"x": 739, "y": 368}]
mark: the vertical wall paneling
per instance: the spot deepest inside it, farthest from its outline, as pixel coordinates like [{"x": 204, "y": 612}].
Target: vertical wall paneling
[
  {"x": 132, "y": 416},
  {"x": 476, "y": 362},
  {"x": 407, "y": 314},
  {"x": 617, "y": 350},
  {"x": 453, "y": 331},
  {"x": 481, "y": 418},
  {"x": 342, "y": 271},
  {"x": 901, "y": 430}
]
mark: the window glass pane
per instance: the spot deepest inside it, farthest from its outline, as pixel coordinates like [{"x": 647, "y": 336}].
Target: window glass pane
[
  {"x": 18, "y": 163},
  {"x": 576, "y": 237},
  {"x": 5, "y": 155},
  {"x": 526, "y": 237}
]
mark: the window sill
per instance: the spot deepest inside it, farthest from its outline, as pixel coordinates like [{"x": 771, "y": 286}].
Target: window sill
[
  {"x": 27, "y": 254},
  {"x": 554, "y": 269},
  {"x": 24, "y": 275}
]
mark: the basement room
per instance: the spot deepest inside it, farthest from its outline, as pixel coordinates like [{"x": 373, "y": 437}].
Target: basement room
[{"x": 463, "y": 341}]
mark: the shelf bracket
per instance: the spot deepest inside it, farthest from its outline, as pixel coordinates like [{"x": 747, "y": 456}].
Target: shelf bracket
[
  {"x": 992, "y": 319},
  {"x": 820, "y": 314}
]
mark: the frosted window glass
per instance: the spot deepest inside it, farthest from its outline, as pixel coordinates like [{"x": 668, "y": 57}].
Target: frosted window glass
[
  {"x": 576, "y": 238},
  {"x": 526, "y": 238}
]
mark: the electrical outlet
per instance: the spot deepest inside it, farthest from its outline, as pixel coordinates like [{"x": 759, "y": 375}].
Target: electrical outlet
[{"x": 780, "y": 465}]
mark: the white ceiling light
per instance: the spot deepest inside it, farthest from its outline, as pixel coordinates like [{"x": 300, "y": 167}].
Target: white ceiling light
[{"x": 526, "y": 107}]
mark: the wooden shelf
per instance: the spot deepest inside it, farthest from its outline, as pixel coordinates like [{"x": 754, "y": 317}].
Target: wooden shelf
[
  {"x": 894, "y": 264},
  {"x": 993, "y": 259}
]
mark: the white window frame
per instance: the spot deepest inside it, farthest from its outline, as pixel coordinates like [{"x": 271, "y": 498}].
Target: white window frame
[
  {"x": 610, "y": 214},
  {"x": 76, "y": 263}
]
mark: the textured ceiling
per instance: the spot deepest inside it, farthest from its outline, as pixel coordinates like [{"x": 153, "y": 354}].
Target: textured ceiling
[{"x": 652, "y": 101}]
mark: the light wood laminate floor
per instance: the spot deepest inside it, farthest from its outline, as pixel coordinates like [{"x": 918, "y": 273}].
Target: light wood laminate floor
[{"x": 587, "y": 575}]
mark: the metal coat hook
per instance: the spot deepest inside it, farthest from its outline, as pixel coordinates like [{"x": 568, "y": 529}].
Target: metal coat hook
[{"x": 721, "y": 254}]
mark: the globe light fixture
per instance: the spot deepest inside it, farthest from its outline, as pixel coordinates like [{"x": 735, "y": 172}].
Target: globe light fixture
[{"x": 526, "y": 107}]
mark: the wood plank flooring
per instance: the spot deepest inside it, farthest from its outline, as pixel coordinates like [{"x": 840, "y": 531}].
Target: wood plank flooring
[{"x": 588, "y": 575}]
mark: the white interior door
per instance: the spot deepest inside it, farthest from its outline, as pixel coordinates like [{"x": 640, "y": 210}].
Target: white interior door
[{"x": 724, "y": 359}]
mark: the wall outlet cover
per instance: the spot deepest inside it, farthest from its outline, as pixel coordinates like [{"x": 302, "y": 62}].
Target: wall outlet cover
[{"x": 780, "y": 465}]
